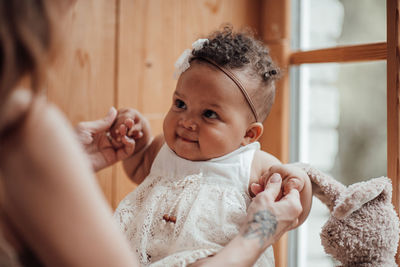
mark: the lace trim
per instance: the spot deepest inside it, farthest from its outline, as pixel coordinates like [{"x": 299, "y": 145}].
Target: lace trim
[{"x": 184, "y": 258}]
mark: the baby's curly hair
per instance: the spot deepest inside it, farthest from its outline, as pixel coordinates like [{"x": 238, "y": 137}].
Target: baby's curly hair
[{"x": 241, "y": 50}]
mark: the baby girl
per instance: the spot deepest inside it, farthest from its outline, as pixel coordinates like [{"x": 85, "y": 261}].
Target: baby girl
[{"x": 198, "y": 177}]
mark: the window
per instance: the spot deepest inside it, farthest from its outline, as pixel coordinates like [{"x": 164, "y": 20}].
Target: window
[{"x": 338, "y": 109}]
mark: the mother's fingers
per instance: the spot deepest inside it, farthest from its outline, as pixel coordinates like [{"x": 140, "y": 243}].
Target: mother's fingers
[
  {"x": 292, "y": 203},
  {"x": 256, "y": 188},
  {"x": 273, "y": 187},
  {"x": 293, "y": 194},
  {"x": 127, "y": 150},
  {"x": 100, "y": 125}
]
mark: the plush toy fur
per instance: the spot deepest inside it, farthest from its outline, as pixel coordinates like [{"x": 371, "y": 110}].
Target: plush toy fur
[{"x": 363, "y": 228}]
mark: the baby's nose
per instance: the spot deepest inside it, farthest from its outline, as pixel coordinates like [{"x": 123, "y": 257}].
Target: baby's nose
[{"x": 189, "y": 124}]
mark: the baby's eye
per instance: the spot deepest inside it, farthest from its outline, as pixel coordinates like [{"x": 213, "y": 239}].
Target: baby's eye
[
  {"x": 180, "y": 104},
  {"x": 209, "y": 114}
]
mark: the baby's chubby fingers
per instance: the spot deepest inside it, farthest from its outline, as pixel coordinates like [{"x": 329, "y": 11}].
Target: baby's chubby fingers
[
  {"x": 129, "y": 123},
  {"x": 124, "y": 127},
  {"x": 256, "y": 188},
  {"x": 264, "y": 183},
  {"x": 292, "y": 183},
  {"x": 126, "y": 116},
  {"x": 136, "y": 131},
  {"x": 120, "y": 132},
  {"x": 285, "y": 170},
  {"x": 292, "y": 176},
  {"x": 259, "y": 187}
]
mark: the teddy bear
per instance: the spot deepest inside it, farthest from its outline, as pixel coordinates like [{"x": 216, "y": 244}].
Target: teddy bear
[{"x": 363, "y": 227}]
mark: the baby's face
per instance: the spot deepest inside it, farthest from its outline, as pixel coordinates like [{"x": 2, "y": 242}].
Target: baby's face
[{"x": 209, "y": 115}]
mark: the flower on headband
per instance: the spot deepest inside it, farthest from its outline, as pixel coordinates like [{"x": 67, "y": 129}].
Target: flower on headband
[
  {"x": 182, "y": 64},
  {"x": 197, "y": 45}
]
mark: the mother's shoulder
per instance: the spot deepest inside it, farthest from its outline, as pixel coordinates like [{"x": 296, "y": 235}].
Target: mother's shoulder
[{"x": 16, "y": 105}]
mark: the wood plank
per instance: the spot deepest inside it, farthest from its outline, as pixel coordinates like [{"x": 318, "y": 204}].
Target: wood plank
[
  {"x": 275, "y": 29},
  {"x": 81, "y": 80},
  {"x": 393, "y": 98},
  {"x": 352, "y": 53},
  {"x": 152, "y": 35}
]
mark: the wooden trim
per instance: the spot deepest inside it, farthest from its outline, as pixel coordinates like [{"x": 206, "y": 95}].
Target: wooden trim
[
  {"x": 365, "y": 52},
  {"x": 275, "y": 31},
  {"x": 393, "y": 109}
]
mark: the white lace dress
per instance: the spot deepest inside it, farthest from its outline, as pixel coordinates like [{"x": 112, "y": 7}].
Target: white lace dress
[{"x": 207, "y": 200}]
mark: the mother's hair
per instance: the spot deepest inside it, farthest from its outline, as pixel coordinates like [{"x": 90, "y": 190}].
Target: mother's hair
[{"x": 26, "y": 40}]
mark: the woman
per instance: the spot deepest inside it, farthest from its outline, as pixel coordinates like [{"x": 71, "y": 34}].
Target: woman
[{"x": 53, "y": 210}]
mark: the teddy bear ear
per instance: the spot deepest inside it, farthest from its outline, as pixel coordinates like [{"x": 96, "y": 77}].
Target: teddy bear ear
[{"x": 358, "y": 194}]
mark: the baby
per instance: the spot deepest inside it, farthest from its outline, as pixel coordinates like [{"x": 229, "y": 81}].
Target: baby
[{"x": 198, "y": 177}]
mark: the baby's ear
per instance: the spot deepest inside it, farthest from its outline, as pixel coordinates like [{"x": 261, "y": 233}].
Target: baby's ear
[
  {"x": 253, "y": 132},
  {"x": 358, "y": 194}
]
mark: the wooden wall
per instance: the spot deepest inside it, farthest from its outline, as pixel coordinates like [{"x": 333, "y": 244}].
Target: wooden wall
[
  {"x": 82, "y": 81},
  {"x": 152, "y": 35},
  {"x": 121, "y": 53}
]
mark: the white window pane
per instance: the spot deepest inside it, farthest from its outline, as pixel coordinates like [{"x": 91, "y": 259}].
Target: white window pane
[
  {"x": 326, "y": 23},
  {"x": 342, "y": 132}
]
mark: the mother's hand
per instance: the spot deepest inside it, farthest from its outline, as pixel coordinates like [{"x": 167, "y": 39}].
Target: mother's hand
[
  {"x": 267, "y": 219},
  {"x": 95, "y": 138}
]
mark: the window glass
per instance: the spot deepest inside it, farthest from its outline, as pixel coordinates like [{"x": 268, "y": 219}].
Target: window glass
[
  {"x": 327, "y": 23},
  {"x": 338, "y": 111},
  {"x": 342, "y": 131},
  {"x": 346, "y": 118}
]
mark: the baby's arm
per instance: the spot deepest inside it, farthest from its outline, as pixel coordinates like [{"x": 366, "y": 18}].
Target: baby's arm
[
  {"x": 138, "y": 166},
  {"x": 132, "y": 124},
  {"x": 264, "y": 165},
  {"x": 261, "y": 164}
]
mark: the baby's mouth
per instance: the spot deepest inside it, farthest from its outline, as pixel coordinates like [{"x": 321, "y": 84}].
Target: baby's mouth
[{"x": 188, "y": 140}]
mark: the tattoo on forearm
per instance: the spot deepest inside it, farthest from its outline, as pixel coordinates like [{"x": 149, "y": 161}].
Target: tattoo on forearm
[{"x": 262, "y": 226}]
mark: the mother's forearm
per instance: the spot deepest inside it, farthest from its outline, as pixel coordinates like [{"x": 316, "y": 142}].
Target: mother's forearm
[
  {"x": 245, "y": 249},
  {"x": 241, "y": 251}
]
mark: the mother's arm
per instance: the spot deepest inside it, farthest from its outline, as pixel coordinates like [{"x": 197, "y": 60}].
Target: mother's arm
[
  {"x": 52, "y": 198},
  {"x": 267, "y": 220}
]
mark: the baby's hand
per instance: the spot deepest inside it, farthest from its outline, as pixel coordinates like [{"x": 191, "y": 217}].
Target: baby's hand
[
  {"x": 292, "y": 178},
  {"x": 292, "y": 183},
  {"x": 129, "y": 124}
]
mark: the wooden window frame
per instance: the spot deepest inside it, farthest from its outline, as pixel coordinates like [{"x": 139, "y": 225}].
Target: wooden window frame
[{"x": 275, "y": 29}]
